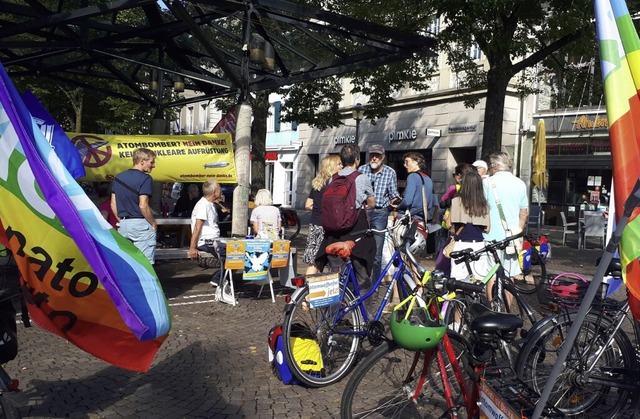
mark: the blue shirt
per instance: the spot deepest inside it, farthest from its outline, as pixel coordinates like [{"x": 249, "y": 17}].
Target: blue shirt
[
  {"x": 512, "y": 193},
  {"x": 127, "y": 200},
  {"x": 412, "y": 200},
  {"x": 385, "y": 184}
]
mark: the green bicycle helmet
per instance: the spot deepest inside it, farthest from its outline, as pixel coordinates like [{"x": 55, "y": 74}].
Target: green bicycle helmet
[{"x": 418, "y": 332}]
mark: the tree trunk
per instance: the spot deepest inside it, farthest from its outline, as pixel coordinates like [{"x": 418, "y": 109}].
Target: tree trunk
[
  {"x": 240, "y": 217},
  {"x": 260, "y": 107},
  {"x": 78, "y": 109},
  {"x": 497, "y": 82}
]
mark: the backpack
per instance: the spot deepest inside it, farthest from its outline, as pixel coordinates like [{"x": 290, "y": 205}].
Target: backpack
[
  {"x": 306, "y": 351},
  {"x": 338, "y": 209},
  {"x": 277, "y": 358}
]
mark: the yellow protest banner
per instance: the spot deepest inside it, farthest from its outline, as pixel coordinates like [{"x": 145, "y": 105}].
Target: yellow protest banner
[{"x": 180, "y": 158}]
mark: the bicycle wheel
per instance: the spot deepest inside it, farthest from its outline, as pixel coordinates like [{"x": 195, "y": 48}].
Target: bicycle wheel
[
  {"x": 532, "y": 277},
  {"x": 320, "y": 350},
  {"x": 588, "y": 386},
  {"x": 382, "y": 385}
]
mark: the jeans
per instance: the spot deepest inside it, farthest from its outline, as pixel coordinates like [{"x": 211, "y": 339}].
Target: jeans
[
  {"x": 218, "y": 250},
  {"x": 143, "y": 236},
  {"x": 378, "y": 219}
]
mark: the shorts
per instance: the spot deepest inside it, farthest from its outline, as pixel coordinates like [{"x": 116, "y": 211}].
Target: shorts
[
  {"x": 314, "y": 239},
  {"x": 479, "y": 267}
]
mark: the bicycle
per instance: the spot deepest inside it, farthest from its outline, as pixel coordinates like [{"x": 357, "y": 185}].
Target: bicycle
[
  {"x": 321, "y": 342},
  {"x": 11, "y": 398},
  {"x": 533, "y": 264},
  {"x": 503, "y": 290},
  {"x": 398, "y": 379},
  {"x": 291, "y": 223},
  {"x": 601, "y": 373}
]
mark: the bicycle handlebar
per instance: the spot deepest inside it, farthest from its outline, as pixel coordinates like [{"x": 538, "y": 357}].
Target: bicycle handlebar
[
  {"x": 461, "y": 256},
  {"x": 452, "y": 284}
]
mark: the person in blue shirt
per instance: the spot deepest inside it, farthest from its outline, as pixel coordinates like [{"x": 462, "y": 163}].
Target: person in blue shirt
[
  {"x": 130, "y": 196},
  {"x": 385, "y": 187},
  {"x": 417, "y": 182}
]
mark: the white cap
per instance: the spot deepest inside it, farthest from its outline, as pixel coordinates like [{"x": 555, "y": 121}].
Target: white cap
[{"x": 481, "y": 163}]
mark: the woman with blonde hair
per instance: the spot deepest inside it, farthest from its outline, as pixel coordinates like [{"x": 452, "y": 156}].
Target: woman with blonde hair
[
  {"x": 265, "y": 218},
  {"x": 329, "y": 165}
]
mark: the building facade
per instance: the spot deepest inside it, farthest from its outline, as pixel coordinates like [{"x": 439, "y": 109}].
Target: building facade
[{"x": 438, "y": 125}]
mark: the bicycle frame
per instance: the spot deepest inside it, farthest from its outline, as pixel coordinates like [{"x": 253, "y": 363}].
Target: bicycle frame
[
  {"x": 470, "y": 396},
  {"x": 502, "y": 281},
  {"x": 349, "y": 278}
]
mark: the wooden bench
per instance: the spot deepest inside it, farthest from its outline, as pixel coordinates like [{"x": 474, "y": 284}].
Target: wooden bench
[{"x": 169, "y": 253}]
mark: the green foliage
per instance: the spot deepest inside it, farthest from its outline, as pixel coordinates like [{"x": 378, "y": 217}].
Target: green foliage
[
  {"x": 317, "y": 102},
  {"x": 313, "y": 102}
]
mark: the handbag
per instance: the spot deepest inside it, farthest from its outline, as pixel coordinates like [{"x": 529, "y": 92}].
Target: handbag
[
  {"x": 448, "y": 248},
  {"x": 516, "y": 248}
]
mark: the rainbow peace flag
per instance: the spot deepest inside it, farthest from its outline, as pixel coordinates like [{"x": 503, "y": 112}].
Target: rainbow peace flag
[
  {"x": 83, "y": 280},
  {"x": 620, "y": 62}
]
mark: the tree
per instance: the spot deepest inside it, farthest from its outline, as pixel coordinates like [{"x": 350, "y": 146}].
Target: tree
[{"x": 513, "y": 35}]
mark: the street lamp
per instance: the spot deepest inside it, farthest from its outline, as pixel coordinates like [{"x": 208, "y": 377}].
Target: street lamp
[{"x": 358, "y": 113}]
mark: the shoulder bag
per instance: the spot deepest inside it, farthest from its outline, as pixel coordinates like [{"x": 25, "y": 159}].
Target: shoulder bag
[{"x": 517, "y": 244}]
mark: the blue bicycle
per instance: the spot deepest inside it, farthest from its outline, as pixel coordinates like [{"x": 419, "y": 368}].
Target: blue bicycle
[{"x": 326, "y": 320}]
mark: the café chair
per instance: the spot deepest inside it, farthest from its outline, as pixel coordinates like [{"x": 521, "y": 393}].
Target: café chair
[
  {"x": 594, "y": 226},
  {"x": 567, "y": 228}
]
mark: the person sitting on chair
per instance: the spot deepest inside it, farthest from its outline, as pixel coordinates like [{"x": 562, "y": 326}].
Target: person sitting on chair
[
  {"x": 265, "y": 218},
  {"x": 204, "y": 225}
]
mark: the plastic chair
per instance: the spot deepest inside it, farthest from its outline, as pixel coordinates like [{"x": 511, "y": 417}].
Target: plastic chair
[
  {"x": 567, "y": 228},
  {"x": 535, "y": 218},
  {"x": 594, "y": 226}
]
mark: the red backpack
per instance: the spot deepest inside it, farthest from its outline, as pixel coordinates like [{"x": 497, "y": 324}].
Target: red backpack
[{"x": 338, "y": 209}]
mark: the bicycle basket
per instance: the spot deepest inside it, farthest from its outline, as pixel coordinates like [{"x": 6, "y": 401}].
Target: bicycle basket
[
  {"x": 416, "y": 329},
  {"x": 569, "y": 289}
]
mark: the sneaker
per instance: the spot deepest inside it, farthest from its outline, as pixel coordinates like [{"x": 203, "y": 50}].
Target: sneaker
[{"x": 213, "y": 284}]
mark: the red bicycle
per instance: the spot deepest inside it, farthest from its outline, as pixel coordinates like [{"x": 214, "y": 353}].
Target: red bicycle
[{"x": 411, "y": 376}]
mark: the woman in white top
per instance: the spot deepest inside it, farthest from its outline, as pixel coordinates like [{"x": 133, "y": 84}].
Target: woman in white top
[{"x": 265, "y": 218}]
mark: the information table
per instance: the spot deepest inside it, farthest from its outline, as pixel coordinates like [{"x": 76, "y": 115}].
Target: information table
[{"x": 255, "y": 258}]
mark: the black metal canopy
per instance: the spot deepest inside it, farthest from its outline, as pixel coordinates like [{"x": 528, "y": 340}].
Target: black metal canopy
[{"x": 118, "y": 47}]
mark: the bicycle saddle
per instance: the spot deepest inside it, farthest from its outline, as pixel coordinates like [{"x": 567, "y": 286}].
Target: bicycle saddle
[
  {"x": 460, "y": 253},
  {"x": 614, "y": 269},
  {"x": 487, "y": 321},
  {"x": 342, "y": 249}
]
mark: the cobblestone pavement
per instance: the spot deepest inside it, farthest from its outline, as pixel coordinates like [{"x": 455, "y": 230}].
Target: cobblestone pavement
[{"x": 213, "y": 364}]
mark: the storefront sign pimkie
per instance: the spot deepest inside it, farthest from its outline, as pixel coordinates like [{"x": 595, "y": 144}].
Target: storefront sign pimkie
[
  {"x": 403, "y": 135},
  {"x": 344, "y": 139},
  {"x": 582, "y": 122}
]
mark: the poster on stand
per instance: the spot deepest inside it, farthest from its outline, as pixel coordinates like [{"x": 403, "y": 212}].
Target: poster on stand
[
  {"x": 257, "y": 260},
  {"x": 235, "y": 254},
  {"x": 280, "y": 253}
]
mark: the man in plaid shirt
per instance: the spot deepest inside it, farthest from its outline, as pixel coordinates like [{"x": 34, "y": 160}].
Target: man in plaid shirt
[{"x": 385, "y": 186}]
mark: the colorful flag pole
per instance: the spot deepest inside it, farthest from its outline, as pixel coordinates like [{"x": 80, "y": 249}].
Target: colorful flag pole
[
  {"x": 620, "y": 63},
  {"x": 84, "y": 281}
]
